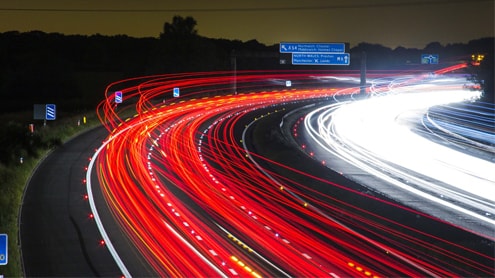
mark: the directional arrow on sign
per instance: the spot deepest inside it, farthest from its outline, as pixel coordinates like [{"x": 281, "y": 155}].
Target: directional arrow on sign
[{"x": 341, "y": 59}]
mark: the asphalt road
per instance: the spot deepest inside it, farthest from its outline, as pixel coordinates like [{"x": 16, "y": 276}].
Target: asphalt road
[{"x": 57, "y": 236}]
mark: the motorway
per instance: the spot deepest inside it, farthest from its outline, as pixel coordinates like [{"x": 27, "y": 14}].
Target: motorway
[{"x": 209, "y": 185}]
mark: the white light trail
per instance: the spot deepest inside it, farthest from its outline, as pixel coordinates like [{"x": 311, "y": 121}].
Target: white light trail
[{"x": 377, "y": 135}]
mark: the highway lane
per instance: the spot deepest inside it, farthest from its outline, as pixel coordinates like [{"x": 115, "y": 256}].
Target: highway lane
[
  {"x": 467, "y": 127},
  {"x": 177, "y": 163},
  {"x": 381, "y": 142},
  {"x": 367, "y": 210},
  {"x": 57, "y": 236}
]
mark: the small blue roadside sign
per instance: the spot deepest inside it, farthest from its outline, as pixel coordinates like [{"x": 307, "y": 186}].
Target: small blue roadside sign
[
  {"x": 429, "y": 58},
  {"x": 118, "y": 97},
  {"x": 50, "y": 112},
  {"x": 4, "y": 254},
  {"x": 339, "y": 59},
  {"x": 176, "y": 92},
  {"x": 303, "y": 47}
]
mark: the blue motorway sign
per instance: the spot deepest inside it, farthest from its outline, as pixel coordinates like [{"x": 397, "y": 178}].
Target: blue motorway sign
[
  {"x": 176, "y": 92},
  {"x": 118, "y": 97},
  {"x": 303, "y": 47},
  {"x": 50, "y": 112},
  {"x": 340, "y": 59},
  {"x": 4, "y": 252},
  {"x": 429, "y": 58}
]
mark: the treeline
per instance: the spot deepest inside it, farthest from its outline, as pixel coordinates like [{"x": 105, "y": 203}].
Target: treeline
[{"x": 38, "y": 67}]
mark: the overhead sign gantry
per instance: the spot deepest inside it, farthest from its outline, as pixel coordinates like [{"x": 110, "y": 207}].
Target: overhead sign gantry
[{"x": 316, "y": 53}]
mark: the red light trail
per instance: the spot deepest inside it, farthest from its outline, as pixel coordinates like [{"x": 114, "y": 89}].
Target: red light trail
[{"x": 181, "y": 183}]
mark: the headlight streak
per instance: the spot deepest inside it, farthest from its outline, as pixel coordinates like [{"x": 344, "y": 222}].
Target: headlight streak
[
  {"x": 481, "y": 137},
  {"x": 369, "y": 134},
  {"x": 367, "y": 161},
  {"x": 189, "y": 148}
]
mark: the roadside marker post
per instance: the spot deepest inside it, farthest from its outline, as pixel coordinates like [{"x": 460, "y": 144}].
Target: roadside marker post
[
  {"x": 176, "y": 92},
  {"x": 118, "y": 97},
  {"x": 51, "y": 112}
]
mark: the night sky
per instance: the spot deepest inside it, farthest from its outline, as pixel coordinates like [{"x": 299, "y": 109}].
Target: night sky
[{"x": 408, "y": 23}]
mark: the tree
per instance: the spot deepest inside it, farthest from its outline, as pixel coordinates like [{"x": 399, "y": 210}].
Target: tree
[
  {"x": 434, "y": 47},
  {"x": 180, "y": 28}
]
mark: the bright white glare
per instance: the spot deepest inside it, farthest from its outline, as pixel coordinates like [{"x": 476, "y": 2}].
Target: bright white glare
[
  {"x": 374, "y": 125},
  {"x": 376, "y": 135},
  {"x": 338, "y": 78}
]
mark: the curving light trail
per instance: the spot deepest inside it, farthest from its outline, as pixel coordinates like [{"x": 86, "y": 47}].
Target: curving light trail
[
  {"x": 380, "y": 135},
  {"x": 180, "y": 180}
]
